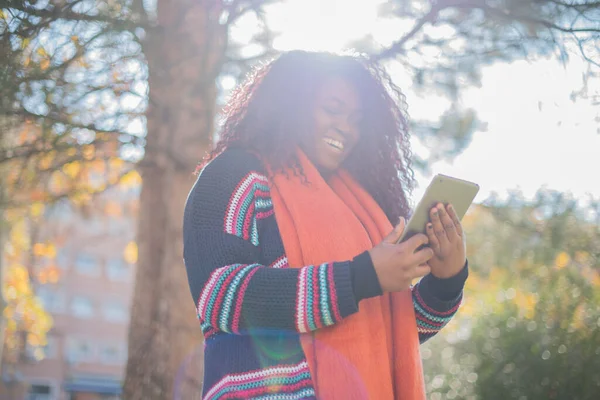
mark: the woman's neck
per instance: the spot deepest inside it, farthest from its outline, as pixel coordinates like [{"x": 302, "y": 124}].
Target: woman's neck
[{"x": 325, "y": 173}]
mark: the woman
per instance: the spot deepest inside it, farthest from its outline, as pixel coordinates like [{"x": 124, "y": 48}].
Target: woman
[{"x": 300, "y": 288}]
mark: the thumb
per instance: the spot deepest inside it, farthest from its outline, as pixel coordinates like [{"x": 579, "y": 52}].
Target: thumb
[{"x": 393, "y": 237}]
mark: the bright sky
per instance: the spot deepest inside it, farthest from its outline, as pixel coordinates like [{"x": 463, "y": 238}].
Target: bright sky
[{"x": 523, "y": 148}]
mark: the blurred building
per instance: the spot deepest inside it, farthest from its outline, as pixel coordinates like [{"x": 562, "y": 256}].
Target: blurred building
[{"x": 87, "y": 347}]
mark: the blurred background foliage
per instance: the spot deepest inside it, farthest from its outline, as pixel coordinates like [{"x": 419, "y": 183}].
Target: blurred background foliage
[{"x": 530, "y": 324}]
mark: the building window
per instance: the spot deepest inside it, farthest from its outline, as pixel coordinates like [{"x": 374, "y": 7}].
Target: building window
[
  {"x": 39, "y": 392},
  {"x": 87, "y": 264},
  {"x": 115, "y": 311},
  {"x": 113, "y": 354},
  {"x": 52, "y": 300},
  {"x": 117, "y": 270},
  {"x": 79, "y": 351},
  {"x": 82, "y": 307}
]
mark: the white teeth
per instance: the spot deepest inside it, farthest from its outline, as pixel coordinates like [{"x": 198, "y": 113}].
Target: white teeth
[{"x": 334, "y": 143}]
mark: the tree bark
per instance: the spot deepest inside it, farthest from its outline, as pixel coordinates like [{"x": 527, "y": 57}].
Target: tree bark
[
  {"x": 184, "y": 56},
  {"x": 3, "y": 303}
]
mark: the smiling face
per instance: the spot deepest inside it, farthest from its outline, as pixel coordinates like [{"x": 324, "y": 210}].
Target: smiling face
[{"x": 336, "y": 125}]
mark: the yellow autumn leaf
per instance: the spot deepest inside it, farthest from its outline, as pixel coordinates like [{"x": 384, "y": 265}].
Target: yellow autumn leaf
[
  {"x": 37, "y": 209},
  {"x": 130, "y": 254},
  {"x": 72, "y": 169},
  {"x": 16, "y": 276},
  {"x": 50, "y": 251},
  {"x": 39, "y": 249},
  {"x": 44, "y": 64},
  {"x": 34, "y": 340},
  {"x": 562, "y": 260},
  {"x": 18, "y": 236},
  {"x": 130, "y": 179},
  {"x": 44, "y": 250},
  {"x": 116, "y": 163},
  {"x": 81, "y": 198},
  {"x": 41, "y": 52}
]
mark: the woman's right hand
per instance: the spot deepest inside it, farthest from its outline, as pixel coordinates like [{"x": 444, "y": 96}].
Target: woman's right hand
[{"x": 397, "y": 265}]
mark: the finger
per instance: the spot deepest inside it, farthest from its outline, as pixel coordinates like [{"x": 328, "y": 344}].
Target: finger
[
  {"x": 423, "y": 255},
  {"x": 395, "y": 235},
  {"x": 454, "y": 217},
  {"x": 438, "y": 227},
  {"x": 434, "y": 243},
  {"x": 415, "y": 241},
  {"x": 421, "y": 270},
  {"x": 447, "y": 223}
]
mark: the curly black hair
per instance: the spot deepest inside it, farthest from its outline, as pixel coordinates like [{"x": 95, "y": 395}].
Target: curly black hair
[{"x": 268, "y": 113}]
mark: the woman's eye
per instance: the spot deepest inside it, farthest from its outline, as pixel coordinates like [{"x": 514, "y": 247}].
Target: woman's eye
[{"x": 331, "y": 111}]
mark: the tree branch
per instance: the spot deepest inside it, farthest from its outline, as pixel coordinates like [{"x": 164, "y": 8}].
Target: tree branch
[
  {"x": 398, "y": 47},
  {"x": 525, "y": 18},
  {"x": 28, "y": 114},
  {"x": 237, "y": 9},
  {"x": 69, "y": 15},
  {"x": 55, "y": 197}
]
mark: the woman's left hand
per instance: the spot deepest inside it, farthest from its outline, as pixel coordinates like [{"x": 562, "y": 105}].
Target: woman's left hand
[{"x": 448, "y": 242}]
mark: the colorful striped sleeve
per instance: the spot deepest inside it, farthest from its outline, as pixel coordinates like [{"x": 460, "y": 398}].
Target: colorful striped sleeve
[
  {"x": 436, "y": 301},
  {"x": 311, "y": 303},
  {"x": 233, "y": 291}
]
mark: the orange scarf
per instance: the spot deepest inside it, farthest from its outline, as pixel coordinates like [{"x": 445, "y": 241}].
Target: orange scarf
[{"x": 373, "y": 354}]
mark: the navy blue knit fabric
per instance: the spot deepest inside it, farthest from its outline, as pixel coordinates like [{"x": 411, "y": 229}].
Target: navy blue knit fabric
[{"x": 252, "y": 306}]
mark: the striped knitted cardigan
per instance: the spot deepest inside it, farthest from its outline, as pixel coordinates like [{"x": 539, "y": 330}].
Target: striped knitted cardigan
[{"x": 252, "y": 306}]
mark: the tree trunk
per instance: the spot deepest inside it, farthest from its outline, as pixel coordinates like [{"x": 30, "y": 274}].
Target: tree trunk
[
  {"x": 2, "y": 266},
  {"x": 184, "y": 56},
  {"x": 5, "y": 130}
]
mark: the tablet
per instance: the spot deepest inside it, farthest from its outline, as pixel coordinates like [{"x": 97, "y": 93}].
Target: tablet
[{"x": 442, "y": 189}]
